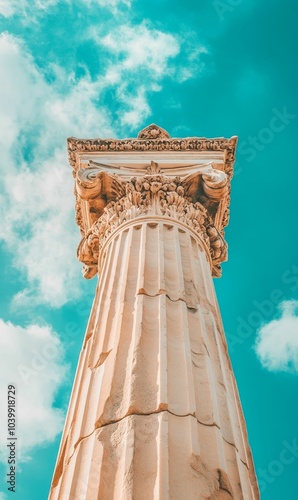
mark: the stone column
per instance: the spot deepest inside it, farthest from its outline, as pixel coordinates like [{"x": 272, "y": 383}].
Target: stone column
[{"x": 154, "y": 412}]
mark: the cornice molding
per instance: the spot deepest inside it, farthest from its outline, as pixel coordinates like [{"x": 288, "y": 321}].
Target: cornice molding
[{"x": 153, "y": 138}]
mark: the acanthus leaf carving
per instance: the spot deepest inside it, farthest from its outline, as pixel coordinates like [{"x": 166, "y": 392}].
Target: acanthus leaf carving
[{"x": 156, "y": 195}]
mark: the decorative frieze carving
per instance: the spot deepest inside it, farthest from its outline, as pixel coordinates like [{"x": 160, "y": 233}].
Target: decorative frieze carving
[{"x": 153, "y": 138}]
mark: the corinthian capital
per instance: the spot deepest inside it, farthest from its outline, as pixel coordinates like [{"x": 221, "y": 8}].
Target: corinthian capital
[{"x": 186, "y": 181}]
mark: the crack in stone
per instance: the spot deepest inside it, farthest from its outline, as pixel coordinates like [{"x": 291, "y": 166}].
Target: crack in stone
[
  {"x": 234, "y": 446},
  {"x": 244, "y": 463},
  {"x": 163, "y": 292},
  {"x": 158, "y": 410},
  {"x": 69, "y": 459},
  {"x": 116, "y": 421},
  {"x": 98, "y": 427},
  {"x": 202, "y": 302},
  {"x": 213, "y": 424}
]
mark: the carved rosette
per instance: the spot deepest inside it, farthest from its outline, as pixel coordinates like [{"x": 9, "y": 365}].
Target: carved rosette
[{"x": 157, "y": 196}]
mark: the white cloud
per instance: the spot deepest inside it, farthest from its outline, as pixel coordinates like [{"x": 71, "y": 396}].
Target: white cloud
[
  {"x": 34, "y": 363},
  {"x": 277, "y": 341},
  {"x": 138, "y": 108},
  {"x": 41, "y": 232},
  {"x": 142, "y": 47},
  {"x": 147, "y": 57},
  {"x": 29, "y": 9},
  {"x": 108, "y": 4},
  {"x": 7, "y": 8},
  {"x": 37, "y": 202}
]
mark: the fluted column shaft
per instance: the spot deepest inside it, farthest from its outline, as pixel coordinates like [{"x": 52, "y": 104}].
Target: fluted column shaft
[{"x": 154, "y": 412}]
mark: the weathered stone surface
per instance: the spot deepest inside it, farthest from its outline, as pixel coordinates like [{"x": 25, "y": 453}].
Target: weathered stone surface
[
  {"x": 157, "y": 456},
  {"x": 154, "y": 412}
]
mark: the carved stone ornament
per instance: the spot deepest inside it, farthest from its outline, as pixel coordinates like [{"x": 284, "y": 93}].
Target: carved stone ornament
[
  {"x": 157, "y": 195},
  {"x": 153, "y": 138},
  {"x": 153, "y": 132},
  {"x": 108, "y": 196}
]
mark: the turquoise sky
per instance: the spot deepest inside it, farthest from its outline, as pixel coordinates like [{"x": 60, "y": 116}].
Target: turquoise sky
[{"x": 96, "y": 68}]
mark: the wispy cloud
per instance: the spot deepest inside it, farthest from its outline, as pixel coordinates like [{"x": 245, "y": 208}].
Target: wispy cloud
[
  {"x": 34, "y": 364},
  {"x": 32, "y": 8},
  {"x": 109, "y": 4},
  {"x": 277, "y": 341},
  {"x": 36, "y": 205},
  {"x": 141, "y": 60},
  {"x": 141, "y": 47}
]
